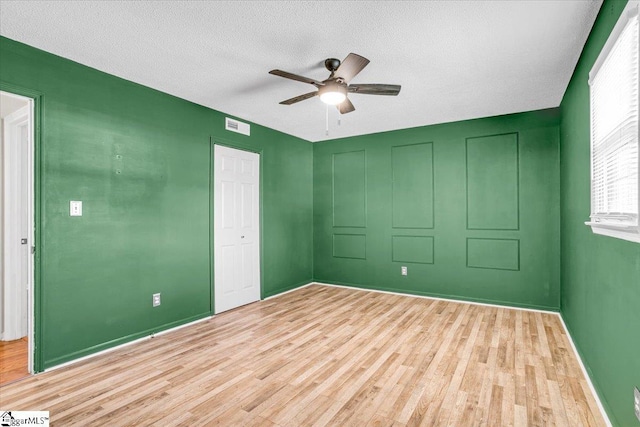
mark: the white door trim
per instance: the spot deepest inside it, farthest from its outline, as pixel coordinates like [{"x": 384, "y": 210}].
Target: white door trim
[
  {"x": 11, "y": 242},
  {"x": 237, "y": 225}
]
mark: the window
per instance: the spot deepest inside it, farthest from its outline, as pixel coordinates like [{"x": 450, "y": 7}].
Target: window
[{"x": 614, "y": 98}]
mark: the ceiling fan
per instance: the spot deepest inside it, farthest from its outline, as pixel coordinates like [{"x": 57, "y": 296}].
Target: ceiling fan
[{"x": 333, "y": 91}]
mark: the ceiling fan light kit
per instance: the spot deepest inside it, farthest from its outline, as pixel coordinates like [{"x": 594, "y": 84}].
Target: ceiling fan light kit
[
  {"x": 334, "y": 90},
  {"x": 333, "y": 93}
]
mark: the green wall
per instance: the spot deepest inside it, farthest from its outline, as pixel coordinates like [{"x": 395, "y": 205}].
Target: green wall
[
  {"x": 600, "y": 275},
  {"x": 140, "y": 160},
  {"x": 471, "y": 208}
]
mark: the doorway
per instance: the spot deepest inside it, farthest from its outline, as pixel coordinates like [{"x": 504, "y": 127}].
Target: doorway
[
  {"x": 16, "y": 236},
  {"x": 236, "y": 228}
]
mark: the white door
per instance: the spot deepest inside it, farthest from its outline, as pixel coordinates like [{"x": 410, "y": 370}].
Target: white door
[
  {"x": 236, "y": 227},
  {"x": 18, "y": 221}
]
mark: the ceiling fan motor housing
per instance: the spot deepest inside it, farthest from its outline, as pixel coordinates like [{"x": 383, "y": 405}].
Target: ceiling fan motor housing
[{"x": 332, "y": 64}]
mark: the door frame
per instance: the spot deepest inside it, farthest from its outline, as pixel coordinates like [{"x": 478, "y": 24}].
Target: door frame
[
  {"x": 17, "y": 311},
  {"x": 238, "y": 146},
  {"x": 35, "y": 361}
]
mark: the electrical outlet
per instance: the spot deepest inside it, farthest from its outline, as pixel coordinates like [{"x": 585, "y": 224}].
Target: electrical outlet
[
  {"x": 403, "y": 270},
  {"x": 156, "y": 300},
  {"x": 636, "y": 402}
]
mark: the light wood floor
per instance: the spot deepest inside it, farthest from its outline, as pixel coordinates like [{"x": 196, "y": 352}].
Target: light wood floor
[
  {"x": 13, "y": 360},
  {"x": 329, "y": 356}
]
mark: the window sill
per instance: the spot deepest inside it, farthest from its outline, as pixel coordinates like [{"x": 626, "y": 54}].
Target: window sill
[{"x": 631, "y": 234}]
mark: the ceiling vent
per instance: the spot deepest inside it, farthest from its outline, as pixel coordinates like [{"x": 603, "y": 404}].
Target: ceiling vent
[{"x": 236, "y": 126}]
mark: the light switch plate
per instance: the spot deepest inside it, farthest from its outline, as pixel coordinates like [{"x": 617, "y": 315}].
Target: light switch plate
[
  {"x": 156, "y": 300},
  {"x": 403, "y": 270},
  {"x": 636, "y": 402},
  {"x": 75, "y": 208}
]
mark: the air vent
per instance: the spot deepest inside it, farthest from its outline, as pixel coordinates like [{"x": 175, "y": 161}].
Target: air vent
[{"x": 236, "y": 126}]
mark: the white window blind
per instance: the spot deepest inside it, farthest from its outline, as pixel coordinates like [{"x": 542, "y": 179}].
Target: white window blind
[{"x": 614, "y": 95}]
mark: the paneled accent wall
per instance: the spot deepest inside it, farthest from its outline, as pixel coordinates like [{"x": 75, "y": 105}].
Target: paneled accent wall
[
  {"x": 350, "y": 246},
  {"x": 493, "y": 182},
  {"x": 499, "y": 254},
  {"x": 412, "y": 180},
  {"x": 349, "y": 204},
  {"x": 349, "y": 189},
  {"x": 470, "y": 208},
  {"x": 415, "y": 249}
]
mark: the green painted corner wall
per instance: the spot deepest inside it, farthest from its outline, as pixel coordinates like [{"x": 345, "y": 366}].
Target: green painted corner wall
[
  {"x": 471, "y": 208},
  {"x": 600, "y": 275},
  {"x": 139, "y": 160}
]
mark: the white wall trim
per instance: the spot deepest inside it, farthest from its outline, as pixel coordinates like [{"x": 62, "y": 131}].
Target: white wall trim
[
  {"x": 575, "y": 350},
  {"x": 10, "y": 236},
  {"x": 148, "y": 337},
  {"x": 564, "y": 326},
  {"x": 631, "y": 234},
  {"x": 438, "y": 298},
  {"x": 118, "y": 347},
  {"x": 585, "y": 373},
  {"x": 15, "y": 322},
  {"x": 289, "y": 291}
]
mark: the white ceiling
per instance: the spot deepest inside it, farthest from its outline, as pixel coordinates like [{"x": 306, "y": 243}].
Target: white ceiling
[{"x": 455, "y": 60}]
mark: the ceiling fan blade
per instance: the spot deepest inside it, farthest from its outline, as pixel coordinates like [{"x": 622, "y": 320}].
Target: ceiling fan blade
[
  {"x": 299, "y": 98},
  {"x": 292, "y": 76},
  {"x": 350, "y": 67},
  {"x": 375, "y": 89},
  {"x": 345, "y": 107}
]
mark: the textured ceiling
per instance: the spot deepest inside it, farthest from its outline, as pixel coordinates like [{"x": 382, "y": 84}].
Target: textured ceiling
[{"x": 455, "y": 60}]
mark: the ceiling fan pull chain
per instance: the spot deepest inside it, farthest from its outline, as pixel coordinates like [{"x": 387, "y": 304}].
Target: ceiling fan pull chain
[{"x": 327, "y": 119}]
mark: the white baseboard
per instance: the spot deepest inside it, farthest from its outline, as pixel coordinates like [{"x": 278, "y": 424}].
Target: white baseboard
[
  {"x": 109, "y": 350},
  {"x": 290, "y": 290},
  {"x": 460, "y": 301},
  {"x": 585, "y": 373},
  {"x": 575, "y": 350}
]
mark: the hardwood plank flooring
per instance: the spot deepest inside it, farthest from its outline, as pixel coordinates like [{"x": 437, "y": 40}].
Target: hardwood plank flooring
[
  {"x": 14, "y": 359},
  {"x": 329, "y": 356}
]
